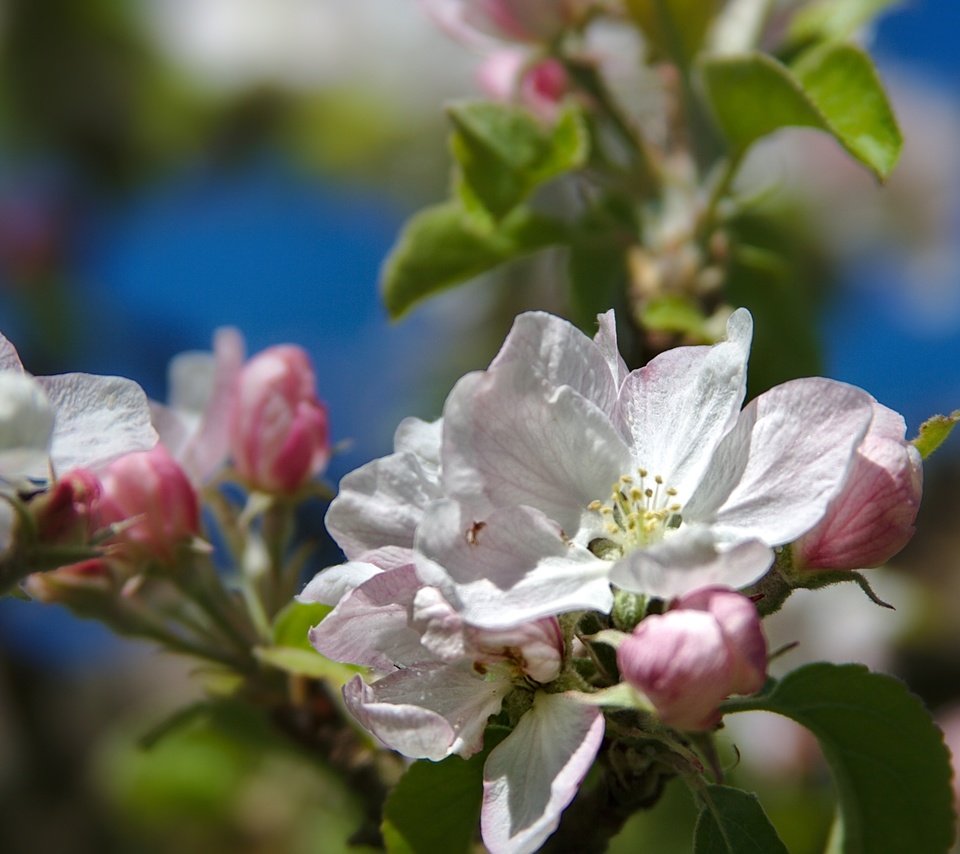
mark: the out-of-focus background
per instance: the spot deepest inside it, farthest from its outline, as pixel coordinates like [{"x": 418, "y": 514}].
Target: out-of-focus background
[{"x": 170, "y": 166}]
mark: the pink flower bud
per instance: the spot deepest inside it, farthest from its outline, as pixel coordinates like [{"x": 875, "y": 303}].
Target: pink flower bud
[
  {"x": 506, "y": 76},
  {"x": 872, "y": 517},
  {"x": 278, "y": 430},
  {"x": 688, "y": 660},
  {"x": 154, "y": 500},
  {"x": 536, "y": 647},
  {"x": 66, "y": 514}
]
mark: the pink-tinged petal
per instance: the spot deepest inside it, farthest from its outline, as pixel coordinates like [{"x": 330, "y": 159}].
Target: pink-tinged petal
[
  {"x": 873, "y": 516},
  {"x": 680, "y": 406},
  {"x": 422, "y": 439},
  {"x": 371, "y": 624},
  {"x": 738, "y": 620},
  {"x": 9, "y": 358},
  {"x": 330, "y": 585},
  {"x": 428, "y": 711},
  {"x": 388, "y": 557},
  {"x": 511, "y": 567},
  {"x": 787, "y": 457},
  {"x": 210, "y": 446},
  {"x": 536, "y": 647},
  {"x": 380, "y": 504},
  {"x": 689, "y": 559},
  {"x": 441, "y": 627},
  {"x": 557, "y": 353},
  {"x": 98, "y": 419},
  {"x": 531, "y": 777},
  {"x": 680, "y": 661},
  {"x": 509, "y": 439},
  {"x": 448, "y": 15},
  {"x": 606, "y": 342}
]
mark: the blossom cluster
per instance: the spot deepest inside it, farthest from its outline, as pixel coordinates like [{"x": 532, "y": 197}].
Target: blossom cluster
[
  {"x": 95, "y": 472},
  {"x": 564, "y": 503}
]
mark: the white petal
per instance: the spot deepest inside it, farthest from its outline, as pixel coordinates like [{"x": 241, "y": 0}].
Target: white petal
[
  {"x": 683, "y": 402},
  {"x": 9, "y": 359},
  {"x": 690, "y": 559},
  {"x": 98, "y": 419},
  {"x": 774, "y": 475},
  {"x": 557, "y": 353},
  {"x": 531, "y": 776},
  {"x": 190, "y": 380},
  {"x": 606, "y": 341},
  {"x": 330, "y": 585},
  {"x": 422, "y": 439},
  {"x": 26, "y": 427},
  {"x": 511, "y": 567},
  {"x": 441, "y": 627},
  {"x": 508, "y": 440},
  {"x": 429, "y": 711},
  {"x": 380, "y": 504},
  {"x": 371, "y": 624}
]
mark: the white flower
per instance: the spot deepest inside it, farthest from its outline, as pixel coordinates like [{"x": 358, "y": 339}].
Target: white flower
[
  {"x": 556, "y": 473},
  {"x": 441, "y": 680},
  {"x": 49, "y": 425}
]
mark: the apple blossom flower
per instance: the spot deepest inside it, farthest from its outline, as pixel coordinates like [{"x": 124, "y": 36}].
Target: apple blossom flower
[
  {"x": 278, "y": 427},
  {"x": 708, "y": 646},
  {"x": 509, "y": 76},
  {"x": 873, "y": 516},
  {"x": 439, "y": 682},
  {"x": 62, "y": 422},
  {"x": 153, "y": 498},
  {"x": 575, "y": 473},
  {"x": 194, "y": 426}
]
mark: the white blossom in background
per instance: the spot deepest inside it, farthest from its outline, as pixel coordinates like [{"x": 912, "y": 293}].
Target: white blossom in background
[{"x": 49, "y": 425}]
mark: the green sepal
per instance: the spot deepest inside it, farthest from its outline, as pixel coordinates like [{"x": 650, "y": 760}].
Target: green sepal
[{"x": 934, "y": 432}]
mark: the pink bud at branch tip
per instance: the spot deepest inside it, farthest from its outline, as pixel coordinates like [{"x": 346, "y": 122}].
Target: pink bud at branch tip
[
  {"x": 278, "y": 431},
  {"x": 151, "y": 494},
  {"x": 873, "y": 516},
  {"x": 688, "y": 660}
]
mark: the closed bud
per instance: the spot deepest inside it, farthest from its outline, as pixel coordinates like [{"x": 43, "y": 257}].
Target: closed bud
[
  {"x": 688, "y": 660},
  {"x": 524, "y": 20},
  {"x": 873, "y": 516},
  {"x": 66, "y": 514},
  {"x": 152, "y": 502},
  {"x": 278, "y": 431},
  {"x": 507, "y": 76},
  {"x": 77, "y": 584}
]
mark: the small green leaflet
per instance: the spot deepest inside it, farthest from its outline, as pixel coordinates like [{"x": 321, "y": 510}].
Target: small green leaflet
[
  {"x": 833, "y": 88},
  {"x": 504, "y": 153},
  {"x": 734, "y": 823},
  {"x": 834, "y": 20},
  {"x": 891, "y": 767},
  {"x": 934, "y": 432},
  {"x": 444, "y": 245}
]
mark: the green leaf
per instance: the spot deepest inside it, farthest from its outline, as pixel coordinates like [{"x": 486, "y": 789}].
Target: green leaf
[
  {"x": 734, "y": 823},
  {"x": 675, "y": 313},
  {"x": 306, "y": 662},
  {"x": 674, "y": 28},
  {"x": 833, "y": 88},
  {"x": 934, "y": 432},
  {"x": 443, "y": 245},
  {"x": 291, "y": 625},
  {"x": 834, "y": 20},
  {"x": 891, "y": 767},
  {"x": 505, "y": 153}
]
